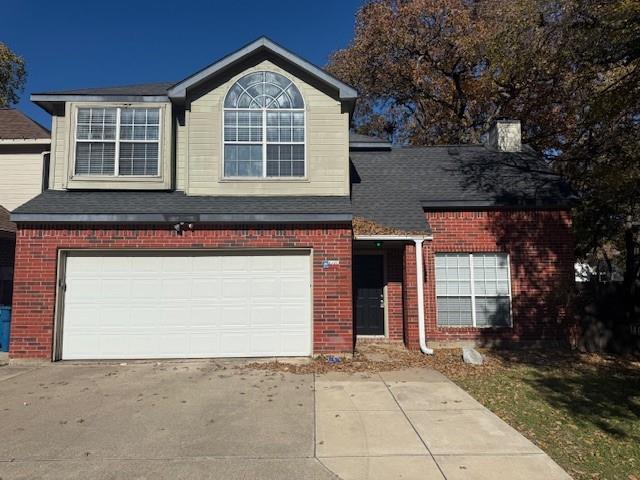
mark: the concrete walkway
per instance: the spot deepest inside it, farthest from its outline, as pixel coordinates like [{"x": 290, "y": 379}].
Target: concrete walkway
[{"x": 416, "y": 424}]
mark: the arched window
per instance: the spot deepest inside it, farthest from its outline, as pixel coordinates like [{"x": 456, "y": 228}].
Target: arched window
[{"x": 264, "y": 128}]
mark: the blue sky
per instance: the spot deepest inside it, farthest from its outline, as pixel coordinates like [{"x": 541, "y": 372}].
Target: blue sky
[{"x": 77, "y": 44}]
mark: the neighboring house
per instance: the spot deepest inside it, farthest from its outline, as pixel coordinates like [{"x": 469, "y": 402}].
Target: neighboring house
[
  {"x": 24, "y": 145},
  {"x": 232, "y": 214}
]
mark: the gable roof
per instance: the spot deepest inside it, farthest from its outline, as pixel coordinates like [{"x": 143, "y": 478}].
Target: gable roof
[
  {"x": 262, "y": 44},
  {"x": 393, "y": 188},
  {"x": 15, "y": 125},
  {"x": 176, "y": 92}
]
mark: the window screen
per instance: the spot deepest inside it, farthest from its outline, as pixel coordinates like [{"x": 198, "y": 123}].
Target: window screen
[
  {"x": 118, "y": 141},
  {"x": 473, "y": 290}
]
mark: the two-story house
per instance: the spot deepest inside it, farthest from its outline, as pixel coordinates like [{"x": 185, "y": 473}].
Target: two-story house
[{"x": 232, "y": 214}]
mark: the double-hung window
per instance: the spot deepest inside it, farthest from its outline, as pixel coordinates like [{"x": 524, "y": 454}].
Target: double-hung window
[
  {"x": 117, "y": 141},
  {"x": 264, "y": 133},
  {"x": 473, "y": 290}
]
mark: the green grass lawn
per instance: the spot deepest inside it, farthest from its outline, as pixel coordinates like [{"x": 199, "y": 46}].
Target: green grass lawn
[{"x": 583, "y": 410}]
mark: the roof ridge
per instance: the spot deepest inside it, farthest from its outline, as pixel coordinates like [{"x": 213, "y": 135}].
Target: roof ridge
[{"x": 443, "y": 145}]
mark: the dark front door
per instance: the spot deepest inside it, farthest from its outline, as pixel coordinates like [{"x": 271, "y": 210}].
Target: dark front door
[{"x": 369, "y": 294}]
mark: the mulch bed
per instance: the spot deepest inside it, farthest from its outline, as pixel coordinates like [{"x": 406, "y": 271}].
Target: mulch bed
[
  {"x": 378, "y": 357},
  {"x": 385, "y": 357}
]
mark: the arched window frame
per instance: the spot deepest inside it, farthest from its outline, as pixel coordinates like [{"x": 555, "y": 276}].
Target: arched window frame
[{"x": 298, "y": 163}]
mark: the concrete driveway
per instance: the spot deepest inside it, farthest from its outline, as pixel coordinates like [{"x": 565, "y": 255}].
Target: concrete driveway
[{"x": 215, "y": 419}]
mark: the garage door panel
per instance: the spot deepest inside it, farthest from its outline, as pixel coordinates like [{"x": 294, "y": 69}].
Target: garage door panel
[
  {"x": 207, "y": 264},
  {"x": 141, "y": 317},
  {"x": 266, "y": 343},
  {"x": 108, "y": 318},
  {"x": 234, "y": 316},
  {"x": 112, "y": 344},
  {"x": 295, "y": 263},
  {"x": 81, "y": 317},
  {"x": 234, "y": 344},
  {"x": 295, "y": 344},
  {"x": 234, "y": 263},
  {"x": 171, "y": 344},
  {"x": 145, "y": 288},
  {"x": 111, "y": 266},
  {"x": 115, "y": 288},
  {"x": 176, "y": 264},
  {"x": 81, "y": 346},
  {"x": 177, "y": 288},
  {"x": 265, "y": 288},
  {"x": 203, "y": 316},
  {"x": 83, "y": 289},
  {"x": 233, "y": 289},
  {"x": 291, "y": 313},
  {"x": 295, "y": 288},
  {"x": 206, "y": 288},
  {"x": 187, "y": 306},
  {"x": 265, "y": 316},
  {"x": 264, "y": 263},
  {"x": 145, "y": 266},
  {"x": 204, "y": 343}
]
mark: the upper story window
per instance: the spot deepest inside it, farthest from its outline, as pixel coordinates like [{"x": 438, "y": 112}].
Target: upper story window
[
  {"x": 117, "y": 141},
  {"x": 264, "y": 132}
]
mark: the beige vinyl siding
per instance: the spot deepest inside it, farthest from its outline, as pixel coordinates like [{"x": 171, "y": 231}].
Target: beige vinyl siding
[
  {"x": 21, "y": 178},
  {"x": 58, "y": 149},
  {"x": 181, "y": 156},
  {"x": 327, "y": 146}
]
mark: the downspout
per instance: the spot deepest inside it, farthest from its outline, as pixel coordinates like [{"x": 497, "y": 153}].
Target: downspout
[{"x": 420, "y": 287}]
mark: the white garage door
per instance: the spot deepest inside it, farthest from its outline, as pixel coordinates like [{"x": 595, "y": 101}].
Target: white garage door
[{"x": 181, "y": 306}]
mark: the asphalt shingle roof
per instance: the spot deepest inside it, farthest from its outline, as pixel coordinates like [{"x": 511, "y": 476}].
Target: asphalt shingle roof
[
  {"x": 5, "y": 224},
  {"x": 177, "y": 203},
  {"x": 144, "y": 89},
  {"x": 15, "y": 125},
  {"x": 391, "y": 188},
  {"x": 359, "y": 138}
]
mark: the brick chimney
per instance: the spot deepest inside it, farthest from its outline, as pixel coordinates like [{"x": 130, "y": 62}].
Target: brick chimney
[{"x": 505, "y": 136}]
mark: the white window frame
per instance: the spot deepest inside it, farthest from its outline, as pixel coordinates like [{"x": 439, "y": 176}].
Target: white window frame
[
  {"x": 117, "y": 140},
  {"x": 473, "y": 291},
  {"x": 264, "y": 141}
]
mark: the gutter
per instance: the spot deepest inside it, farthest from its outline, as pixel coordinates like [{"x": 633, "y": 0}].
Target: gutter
[
  {"x": 25, "y": 141},
  {"x": 159, "y": 218},
  {"x": 418, "y": 240}
]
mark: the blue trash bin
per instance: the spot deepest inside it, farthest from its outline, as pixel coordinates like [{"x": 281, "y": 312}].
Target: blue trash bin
[{"x": 5, "y": 328}]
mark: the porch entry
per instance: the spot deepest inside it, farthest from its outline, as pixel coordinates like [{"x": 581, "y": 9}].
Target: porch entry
[{"x": 369, "y": 294}]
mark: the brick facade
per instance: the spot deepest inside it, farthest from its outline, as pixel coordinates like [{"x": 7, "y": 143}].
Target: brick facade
[
  {"x": 540, "y": 247},
  {"x": 410, "y": 299},
  {"x": 36, "y": 264},
  {"x": 395, "y": 319},
  {"x": 539, "y": 244}
]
